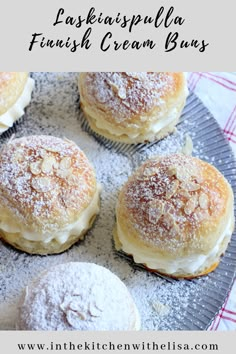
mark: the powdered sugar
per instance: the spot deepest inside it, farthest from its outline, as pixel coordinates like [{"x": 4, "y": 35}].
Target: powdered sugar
[{"x": 54, "y": 110}]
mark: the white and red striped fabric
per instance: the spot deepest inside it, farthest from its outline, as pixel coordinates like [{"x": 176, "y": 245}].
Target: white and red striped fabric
[{"x": 218, "y": 92}]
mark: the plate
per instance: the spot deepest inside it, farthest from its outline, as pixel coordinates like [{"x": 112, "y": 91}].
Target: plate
[{"x": 164, "y": 304}]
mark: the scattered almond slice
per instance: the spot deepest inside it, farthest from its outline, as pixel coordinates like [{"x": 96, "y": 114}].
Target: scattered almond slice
[
  {"x": 160, "y": 308},
  {"x": 65, "y": 163},
  {"x": 172, "y": 189},
  {"x": 52, "y": 148},
  {"x": 94, "y": 310},
  {"x": 48, "y": 163},
  {"x": 190, "y": 186},
  {"x": 42, "y": 184},
  {"x": 149, "y": 171},
  {"x": 171, "y": 171},
  {"x": 73, "y": 318},
  {"x": 36, "y": 167},
  {"x": 122, "y": 93},
  {"x": 155, "y": 211},
  {"x": 64, "y": 173},
  {"x": 187, "y": 149},
  {"x": 203, "y": 201}
]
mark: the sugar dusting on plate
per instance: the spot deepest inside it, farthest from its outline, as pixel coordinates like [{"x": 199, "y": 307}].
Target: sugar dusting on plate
[{"x": 54, "y": 110}]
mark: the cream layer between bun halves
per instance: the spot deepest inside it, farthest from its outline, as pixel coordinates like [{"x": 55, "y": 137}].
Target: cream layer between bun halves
[
  {"x": 15, "y": 94},
  {"x": 176, "y": 216},
  {"x": 132, "y": 107},
  {"x": 49, "y": 196}
]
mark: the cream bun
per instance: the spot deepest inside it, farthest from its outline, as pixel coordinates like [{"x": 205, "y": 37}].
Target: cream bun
[
  {"x": 132, "y": 107},
  {"x": 78, "y": 296},
  {"x": 175, "y": 215},
  {"x": 15, "y": 95},
  {"x": 49, "y": 196}
]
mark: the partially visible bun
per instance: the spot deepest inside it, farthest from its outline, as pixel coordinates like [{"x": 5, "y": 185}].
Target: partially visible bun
[
  {"x": 15, "y": 94},
  {"x": 132, "y": 107}
]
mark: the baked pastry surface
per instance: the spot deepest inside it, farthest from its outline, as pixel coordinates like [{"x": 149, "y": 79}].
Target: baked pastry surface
[
  {"x": 15, "y": 95},
  {"x": 176, "y": 216},
  {"x": 78, "y": 296},
  {"x": 132, "y": 107},
  {"x": 49, "y": 196}
]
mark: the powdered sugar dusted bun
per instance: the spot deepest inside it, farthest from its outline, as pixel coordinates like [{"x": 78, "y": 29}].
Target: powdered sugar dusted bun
[
  {"x": 49, "y": 196},
  {"x": 175, "y": 215},
  {"x": 78, "y": 296},
  {"x": 132, "y": 107},
  {"x": 15, "y": 95}
]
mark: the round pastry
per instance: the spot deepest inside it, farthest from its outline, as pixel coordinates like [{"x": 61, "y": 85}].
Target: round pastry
[
  {"x": 175, "y": 215},
  {"x": 49, "y": 196},
  {"x": 78, "y": 296},
  {"x": 132, "y": 107},
  {"x": 15, "y": 95}
]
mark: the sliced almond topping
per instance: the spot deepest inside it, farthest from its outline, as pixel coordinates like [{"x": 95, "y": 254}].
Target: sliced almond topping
[
  {"x": 184, "y": 193},
  {"x": 200, "y": 215},
  {"x": 170, "y": 224},
  {"x": 172, "y": 189},
  {"x": 187, "y": 149},
  {"x": 74, "y": 318},
  {"x": 199, "y": 178},
  {"x": 19, "y": 157},
  {"x": 35, "y": 167},
  {"x": 65, "y": 163},
  {"x": 42, "y": 184},
  {"x": 191, "y": 205},
  {"x": 190, "y": 186},
  {"x": 63, "y": 173},
  {"x": 149, "y": 171},
  {"x": 203, "y": 201},
  {"x": 75, "y": 180},
  {"x": 155, "y": 211},
  {"x": 48, "y": 163},
  {"x": 114, "y": 87},
  {"x": 52, "y": 148}
]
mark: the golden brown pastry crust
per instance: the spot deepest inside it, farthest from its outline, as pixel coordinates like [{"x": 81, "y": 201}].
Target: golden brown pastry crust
[
  {"x": 11, "y": 87},
  {"x": 178, "y": 206},
  {"x": 125, "y": 106},
  {"x": 45, "y": 184}
]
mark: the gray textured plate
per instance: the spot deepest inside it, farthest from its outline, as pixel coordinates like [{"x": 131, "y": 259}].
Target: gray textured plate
[{"x": 188, "y": 305}]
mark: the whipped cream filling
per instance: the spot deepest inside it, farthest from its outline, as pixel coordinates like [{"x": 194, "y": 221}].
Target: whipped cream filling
[
  {"x": 61, "y": 236},
  {"x": 188, "y": 264},
  {"x": 17, "y": 110}
]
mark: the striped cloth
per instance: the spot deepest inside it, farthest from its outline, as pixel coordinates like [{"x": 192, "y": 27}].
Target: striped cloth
[{"x": 218, "y": 93}]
